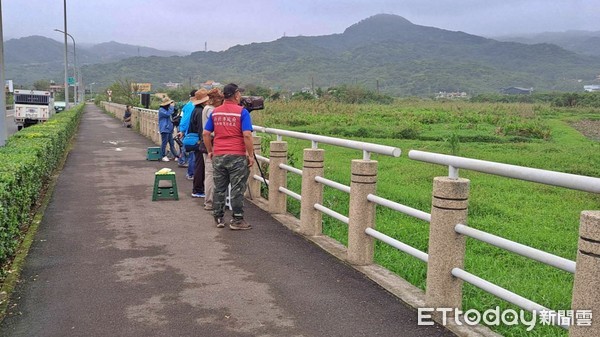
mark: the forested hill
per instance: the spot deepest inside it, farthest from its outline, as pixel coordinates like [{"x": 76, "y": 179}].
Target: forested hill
[{"x": 406, "y": 59}]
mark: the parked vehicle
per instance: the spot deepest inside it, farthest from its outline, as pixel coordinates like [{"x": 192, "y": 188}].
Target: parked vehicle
[
  {"x": 59, "y": 106},
  {"x": 32, "y": 107}
]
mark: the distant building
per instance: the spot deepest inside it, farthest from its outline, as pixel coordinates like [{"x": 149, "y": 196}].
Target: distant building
[
  {"x": 591, "y": 88},
  {"x": 451, "y": 95},
  {"x": 516, "y": 91},
  {"x": 210, "y": 84},
  {"x": 172, "y": 85}
]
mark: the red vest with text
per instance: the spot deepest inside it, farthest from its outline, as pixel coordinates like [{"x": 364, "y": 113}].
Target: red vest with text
[{"x": 227, "y": 121}]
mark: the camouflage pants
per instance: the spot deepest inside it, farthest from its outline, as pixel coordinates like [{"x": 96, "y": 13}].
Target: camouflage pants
[{"x": 234, "y": 170}]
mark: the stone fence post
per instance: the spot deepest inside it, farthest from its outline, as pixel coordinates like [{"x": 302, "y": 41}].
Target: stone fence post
[
  {"x": 312, "y": 192},
  {"x": 446, "y": 247},
  {"x": 277, "y": 177},
  {"x": 362, "y": 212},
  {"x": 586, "y": 288}
]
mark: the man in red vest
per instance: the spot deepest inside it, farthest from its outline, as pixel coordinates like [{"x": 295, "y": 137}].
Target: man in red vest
[{"x": 232, "y": 155}]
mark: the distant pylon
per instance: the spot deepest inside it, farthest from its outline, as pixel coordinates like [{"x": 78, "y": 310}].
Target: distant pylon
[{"x": 205, "y": 47}]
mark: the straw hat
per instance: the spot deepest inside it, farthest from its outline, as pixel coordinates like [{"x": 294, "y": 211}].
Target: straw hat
[
  {"x": 201, "y": 96},
  {"x": 166, "y": 101}
]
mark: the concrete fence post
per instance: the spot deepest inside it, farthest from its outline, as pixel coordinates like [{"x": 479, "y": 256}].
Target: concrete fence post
[
  {"x": 142, "y": 123},
  {"x": 446, "y": 247},
  {"x": 586, "y": 287},
  {"x": 277, "y": 177},
  {"x": 312, "y": 192},
  {"x": 362, "y": 212},
  {"x": 155, "y": 132},
  {"x": 253, "y": 184}
]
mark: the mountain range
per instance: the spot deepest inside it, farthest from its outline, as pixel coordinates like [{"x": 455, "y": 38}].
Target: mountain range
[
  {"x": 579, "y": 41},
  {"x": 384, "y": 51}
]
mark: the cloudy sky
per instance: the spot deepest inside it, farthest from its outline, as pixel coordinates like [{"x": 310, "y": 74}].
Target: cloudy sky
[{"x": 185, "y": 25}]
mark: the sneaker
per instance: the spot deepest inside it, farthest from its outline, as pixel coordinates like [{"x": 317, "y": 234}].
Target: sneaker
[
  {"x": 165, "y": 158},
  {"x": 208, "y": 208},
  {"x": 239, "y": 224},
  {"x": 219, "y": 222},
  {"x": 182, "y": 164},
  {"x": 188, "y": 177},
  {"x": 198, "y": 195}
]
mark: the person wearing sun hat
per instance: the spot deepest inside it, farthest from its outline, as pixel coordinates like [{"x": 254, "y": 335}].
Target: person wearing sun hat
[
  {"x": 199, "y": 101},
  {"x": 165, "y": 127}
]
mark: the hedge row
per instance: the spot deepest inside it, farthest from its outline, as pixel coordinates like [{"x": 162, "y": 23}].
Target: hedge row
[{"x": 27, "y": 161}]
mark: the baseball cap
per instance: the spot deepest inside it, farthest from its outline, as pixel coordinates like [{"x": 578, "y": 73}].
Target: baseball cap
[{"x": 230, "y": 90}]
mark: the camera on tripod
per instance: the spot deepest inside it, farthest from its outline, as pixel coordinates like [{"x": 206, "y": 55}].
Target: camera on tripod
[{"x": 252, "y": 103}]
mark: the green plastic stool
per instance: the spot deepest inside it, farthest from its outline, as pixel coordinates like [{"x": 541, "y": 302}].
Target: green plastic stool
[{"x": 165, "y": 192}]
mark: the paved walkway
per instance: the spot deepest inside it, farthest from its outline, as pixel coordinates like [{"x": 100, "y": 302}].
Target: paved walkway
[{"x": 107, "y": 261}]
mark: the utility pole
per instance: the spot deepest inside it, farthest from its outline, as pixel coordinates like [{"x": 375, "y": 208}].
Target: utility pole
[
  {"x": 66, "y": 59},
  {"x": 377, "y": 87},
  {"x": 3, "y": 131}
]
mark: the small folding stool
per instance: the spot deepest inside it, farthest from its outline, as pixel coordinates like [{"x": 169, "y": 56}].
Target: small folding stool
[{"x": 165, "y": 192}]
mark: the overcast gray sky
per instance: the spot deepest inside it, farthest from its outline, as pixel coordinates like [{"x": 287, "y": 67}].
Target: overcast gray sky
[{"x": 186, "y": 24}]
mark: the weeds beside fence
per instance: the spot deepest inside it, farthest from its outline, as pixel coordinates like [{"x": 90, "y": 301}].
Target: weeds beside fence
[{"x": 28, "y": 159}]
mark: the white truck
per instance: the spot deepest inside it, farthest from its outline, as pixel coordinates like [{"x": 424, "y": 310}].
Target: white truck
[{"x": 32, "y": 107}]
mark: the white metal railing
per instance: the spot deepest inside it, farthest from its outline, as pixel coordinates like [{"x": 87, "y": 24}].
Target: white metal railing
[
  {"x": 333, "y": 184},
  {"x": 263, "y": 159},
  {"x": 367, "y": 148},
  {"x": 398, "y": 245},
  {"x": 532, "y": 253},
  {"x": 290, "y": 193},
  {"x": 572, "y": 181},
  {"x": 291, "y": 169},
  {"x": 261, "y": 179},
  {"x": 399, "y": 207},
  {"x": 332, "y": 213},
  {"x": 502, "y": 293}
]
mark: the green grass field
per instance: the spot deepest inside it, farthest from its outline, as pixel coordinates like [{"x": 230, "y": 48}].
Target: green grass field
[{"x": 540, "y": 216}]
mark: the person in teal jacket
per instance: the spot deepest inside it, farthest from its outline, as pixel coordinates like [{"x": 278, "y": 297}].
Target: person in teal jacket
[
  {"x": 165, "y": 127},
  {"x": 184, "y": 125}
]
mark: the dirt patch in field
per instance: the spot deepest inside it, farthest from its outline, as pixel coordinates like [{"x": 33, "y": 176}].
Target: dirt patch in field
[{"x": 588, "y": 128}]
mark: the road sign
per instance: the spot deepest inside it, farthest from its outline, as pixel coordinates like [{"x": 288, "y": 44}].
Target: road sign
[{"x": 71, "y": 81}]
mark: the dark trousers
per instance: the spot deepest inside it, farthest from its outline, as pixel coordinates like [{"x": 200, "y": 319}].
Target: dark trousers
[
  {"x": 198, "y": 172},
  {"x": 167, "y": 137}
]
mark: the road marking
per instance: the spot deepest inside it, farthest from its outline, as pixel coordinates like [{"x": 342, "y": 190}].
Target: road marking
[{"x": 10, "y": 116}]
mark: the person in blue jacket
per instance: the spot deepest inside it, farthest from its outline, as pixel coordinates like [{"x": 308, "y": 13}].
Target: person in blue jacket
[
  {"x": 184, "y": 125},
  {"x": 165, "y": 127}
]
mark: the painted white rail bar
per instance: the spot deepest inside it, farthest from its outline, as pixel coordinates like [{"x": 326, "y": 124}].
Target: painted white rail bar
[
  {"x": 399, "y": 207},
  {"x": 333, "y": 184},
  {"x": 263, "y": 159},
  {"x": 572, "y": 181},
  {"x": 332, "y": 213},
  {"x": 290, "y": 193},
  {"x": 353, "y": 144},
  {"x": 398, "y": 245},
  {"x": 532, "y": 253},
  {"x": 291, "y": 169},
  {"x": 261, "y": 179},
  {"x": 502, "y": 293}
]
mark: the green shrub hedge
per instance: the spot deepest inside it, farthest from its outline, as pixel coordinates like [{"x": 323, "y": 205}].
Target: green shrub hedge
[{"x": 27, "y": 161}]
